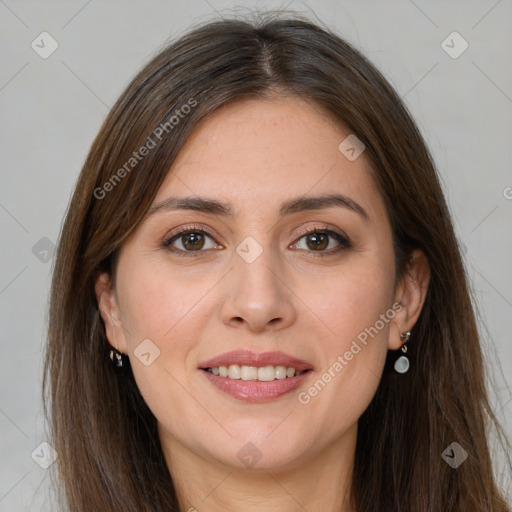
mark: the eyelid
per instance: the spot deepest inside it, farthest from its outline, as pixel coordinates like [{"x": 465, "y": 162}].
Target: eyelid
[
  {"x": 323, "y": 227},
  {"x": 185, "y": 229}
]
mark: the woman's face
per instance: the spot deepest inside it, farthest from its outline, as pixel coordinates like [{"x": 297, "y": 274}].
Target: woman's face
[{"x": 248, "y": 277}]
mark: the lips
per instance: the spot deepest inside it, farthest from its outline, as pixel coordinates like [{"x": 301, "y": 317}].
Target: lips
[
  {"x": 248, "y": 358},
  {"x": 256, "y": 391},
  {"x": 248, "y": 385}
]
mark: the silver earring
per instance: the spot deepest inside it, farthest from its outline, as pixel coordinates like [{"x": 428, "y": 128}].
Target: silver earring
[{"x": 402, "y": 363}]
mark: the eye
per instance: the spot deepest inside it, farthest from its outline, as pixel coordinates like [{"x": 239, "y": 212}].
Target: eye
[
  {"x": 189, "y": 240},
  {"x": 319, "y": 239}
]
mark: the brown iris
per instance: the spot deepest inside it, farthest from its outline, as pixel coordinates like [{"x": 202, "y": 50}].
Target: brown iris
[
  {"x": 193, "y": 241},
  {"x": 319, "y": 241}
]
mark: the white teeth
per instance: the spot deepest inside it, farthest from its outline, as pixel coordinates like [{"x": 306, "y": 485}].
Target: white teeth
[
  {"x": 280, "y": 372},
  {"x": 266, "y": 373},
  {"x": 249, "y": 372},
  {"x": 261, "y": 373},
  {"x": 234, "y": 371}
]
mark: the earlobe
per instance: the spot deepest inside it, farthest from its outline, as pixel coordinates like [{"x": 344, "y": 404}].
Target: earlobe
[{"x": 410, "y": 293}]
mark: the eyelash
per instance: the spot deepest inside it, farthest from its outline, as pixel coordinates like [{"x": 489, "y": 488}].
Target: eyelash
[{"x": 342, "y": 239}]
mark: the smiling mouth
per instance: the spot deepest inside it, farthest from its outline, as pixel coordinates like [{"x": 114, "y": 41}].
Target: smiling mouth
[{"x": 256, "y": 373}]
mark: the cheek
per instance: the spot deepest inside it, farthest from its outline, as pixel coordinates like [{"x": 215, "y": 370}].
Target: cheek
[
  {"x": 351, "y": 299},
  {"x": 158, "y": 303},
  {"x": 169, "y": 309},
  {"x": 355, "y": 311}
]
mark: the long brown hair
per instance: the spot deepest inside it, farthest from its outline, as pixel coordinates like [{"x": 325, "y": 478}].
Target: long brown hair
[{"x": 110, "y": 458}]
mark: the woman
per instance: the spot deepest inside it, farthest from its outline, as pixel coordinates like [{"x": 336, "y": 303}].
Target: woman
[{"x": 259, "y": 243}]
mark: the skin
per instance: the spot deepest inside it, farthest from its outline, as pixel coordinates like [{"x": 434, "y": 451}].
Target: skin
[{"x": 256, "y": 154}]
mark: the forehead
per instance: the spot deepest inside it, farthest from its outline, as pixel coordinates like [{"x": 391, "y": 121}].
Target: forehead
[{"x": 259, "y": 152}]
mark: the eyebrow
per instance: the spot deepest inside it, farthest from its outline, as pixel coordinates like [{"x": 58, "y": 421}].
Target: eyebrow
[{"x": 295, "y": 205}]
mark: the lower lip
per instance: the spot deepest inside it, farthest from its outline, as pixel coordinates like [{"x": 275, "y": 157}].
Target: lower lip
[{"x": 254, "y": 391}]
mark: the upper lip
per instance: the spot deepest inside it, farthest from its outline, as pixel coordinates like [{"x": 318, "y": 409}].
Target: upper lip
[{"x": 248, "y": 358}]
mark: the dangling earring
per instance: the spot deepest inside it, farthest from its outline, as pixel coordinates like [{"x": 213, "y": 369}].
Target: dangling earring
[
  {"x": 118, "y": 358},
  {"x": 402, "y": 363}
]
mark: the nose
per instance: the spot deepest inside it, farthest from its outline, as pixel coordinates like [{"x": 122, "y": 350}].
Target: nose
[{"x": 258, "y": 295}]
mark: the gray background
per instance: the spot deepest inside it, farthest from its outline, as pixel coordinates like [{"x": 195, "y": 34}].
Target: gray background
[{"x": 52, "y": 108}]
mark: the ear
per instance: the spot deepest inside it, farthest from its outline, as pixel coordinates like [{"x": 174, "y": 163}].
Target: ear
[
  {"x": 410, "y": 293},
  {"x": 107, "y": 304}
]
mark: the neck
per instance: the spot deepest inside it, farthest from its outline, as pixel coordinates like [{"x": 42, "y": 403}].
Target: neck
[{"x": 317, "y": 482}]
